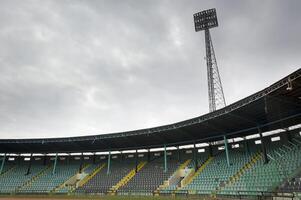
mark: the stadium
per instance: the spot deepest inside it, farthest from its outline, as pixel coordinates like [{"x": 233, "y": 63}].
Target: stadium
[{"x": 250, "y": 149}]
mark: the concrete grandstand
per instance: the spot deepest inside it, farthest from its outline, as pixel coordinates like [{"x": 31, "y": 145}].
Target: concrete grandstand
[{"x": 248, "y": 149}]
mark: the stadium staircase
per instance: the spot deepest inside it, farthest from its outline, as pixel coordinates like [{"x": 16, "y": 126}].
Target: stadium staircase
[
  {"x": 91, "y": 175},
  {"x": 126, "y": 178},
  {"x": 173, "y": 181},
  {"x": 188, "y": 179},
  {"x": 248, "y": 166},
  {"x": 285, "y": 161},
  {"x": 35, "y": 177},
  {"x": 10, "y": 169},
  {"x": 63, "y": 187}
]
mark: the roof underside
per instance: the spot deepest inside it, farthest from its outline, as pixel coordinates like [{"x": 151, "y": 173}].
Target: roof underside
[{"x": 272, "y": 108}]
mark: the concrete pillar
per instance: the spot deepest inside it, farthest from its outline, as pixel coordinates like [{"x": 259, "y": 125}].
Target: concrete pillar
[
  {"x": 195, "y": 157},
  {"x": 148, "y": 155},
  {"x": 109, "y": 163},
  {"x": 247, "y": 148},
  {"x": 136, "y": 161},
  {"x": 55, "y": 163},
  {"x": 44, "y": 160},
  {"x": 210, "y": 150},
  {"x": 2, "y": 164},
  {"x": 165, "y": 159},
  {"x": 226, "y": 150},
  {"x": 263, "y": 148},
  {"x": 94, "y": 158},
  {"x": 179, "y": 154},
  {"x": 29, "y": 165},
  {"x": 81, "y": 163}
]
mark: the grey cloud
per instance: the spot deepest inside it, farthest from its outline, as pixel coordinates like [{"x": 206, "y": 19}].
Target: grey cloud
[{"x": 90, "y": 67}]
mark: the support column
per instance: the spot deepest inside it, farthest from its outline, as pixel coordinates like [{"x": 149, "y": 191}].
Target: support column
[
  {"x": 136, "y": 161},
  {"x": 226, "y": 150},
  {"x": 2, "y": 164},
  {"x": 55, "y": 163},
  {"x": 68, "y": 158},
  {"x": 44, "y": 160},
  {"x": 165, "y": 159},
  {"x": 109, "y": 163},
  {"x": 247, "y": 149},
  {"x": 121, "y": 155},
  {"x": 19, "y": 159},
  {"x": 210, "y": 149},
  {"x": 179, "y": 156},
  {"x": 94, "y": 158},
  {"x": 195, "y": 157},
  {"x": 81, "y": 163},
  {"x": 29, "y": 165},
  {"x": 263, "y": 148},
  {"x": 148, "y": 155}
]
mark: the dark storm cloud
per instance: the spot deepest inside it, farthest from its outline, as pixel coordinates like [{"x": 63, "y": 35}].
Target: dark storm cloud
[{"x": 91, "y": 67}]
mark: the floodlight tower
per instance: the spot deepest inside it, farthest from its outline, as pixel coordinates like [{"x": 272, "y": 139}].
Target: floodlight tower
[{"x": 204, "y": 21}]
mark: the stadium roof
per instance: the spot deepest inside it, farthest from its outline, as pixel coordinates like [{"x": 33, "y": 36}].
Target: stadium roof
[{"x": 277, "y": 106}]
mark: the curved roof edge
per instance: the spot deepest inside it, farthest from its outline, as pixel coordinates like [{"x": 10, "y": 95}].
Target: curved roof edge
[{"x": 216, "y": 122}]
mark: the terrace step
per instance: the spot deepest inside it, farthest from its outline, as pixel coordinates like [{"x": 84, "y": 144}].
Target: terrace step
[
  {"x": 90, "y": 176},
  {"x": 188, "y": 179},
  {"x": 166, "y": 183},
  {"x": 63, "y": 185},
  {"x": 34, "y": 178},
  {"x": 126, "y": 178},
  {"x": 248, "y": 166}
]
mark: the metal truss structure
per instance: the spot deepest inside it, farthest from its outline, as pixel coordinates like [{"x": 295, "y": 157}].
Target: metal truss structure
[{"x": 204, "y": 21}]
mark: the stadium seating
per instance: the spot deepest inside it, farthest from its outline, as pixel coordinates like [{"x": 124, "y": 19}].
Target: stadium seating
[
  {"x": 150, "y": 177},
  {"x": 247, "y": 174},
  {"x": 102, "y": 182},
  {"x": 217, "y": 173},
  {"x": 264, "y": 178},
  {"x": 48, "y": 181},
  {"x": 15, "y": 175}
]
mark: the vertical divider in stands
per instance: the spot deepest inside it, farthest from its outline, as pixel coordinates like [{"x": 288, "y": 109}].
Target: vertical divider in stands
[
  {"x": 94, "y": 158},
  {"x": 226, "y": 150},
  {"x": 55, "y": 163},
  {"x": 44, "y": 160},
  {"x": 210, "y": 149},
  {"x": 109, "y": 163},
  {"x": 148, "y": 155},
  {"x": 136, "y": 161},
  {"x": 247, "y": 149},
  {"x": 2, "y": 164},
  {"x": 29, "y": 165},
  {"x": 81, "y": 163},
  {"x": 263, "y": 148},
  {"x": 179, "y": 156},
  {"x": 165, "y": 159},
  {"x": 195, "y": 157}
]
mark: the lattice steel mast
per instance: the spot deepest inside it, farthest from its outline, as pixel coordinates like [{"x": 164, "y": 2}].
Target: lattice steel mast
[{"x": 204, "y": 21}]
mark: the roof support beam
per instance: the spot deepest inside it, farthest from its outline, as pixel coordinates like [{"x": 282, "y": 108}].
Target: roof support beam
[
  {"x": 165, "y": 159},
  {"x": 54, "y": 165},
  {"x": 263, "y": 148},
  {"x": 246, "y": 144},
  {"x": 195, "y": 157},
  {"x": 226, "y": 150},
  {"x": 29, "y": 165},
  {"x": 179, "y": 155},
  {"x": 109, "y": 163},
  {"x": 81, "y": 163},
  {"x": 136, "y": 161},
  {"x": 2, "y": 164}
]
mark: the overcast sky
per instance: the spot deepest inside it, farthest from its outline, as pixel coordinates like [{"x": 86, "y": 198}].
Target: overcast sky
[{"x": 71, "y": 68}]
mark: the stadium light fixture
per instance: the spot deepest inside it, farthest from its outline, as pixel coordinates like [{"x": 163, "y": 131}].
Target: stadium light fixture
[{"x": 203, "y": 21}]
